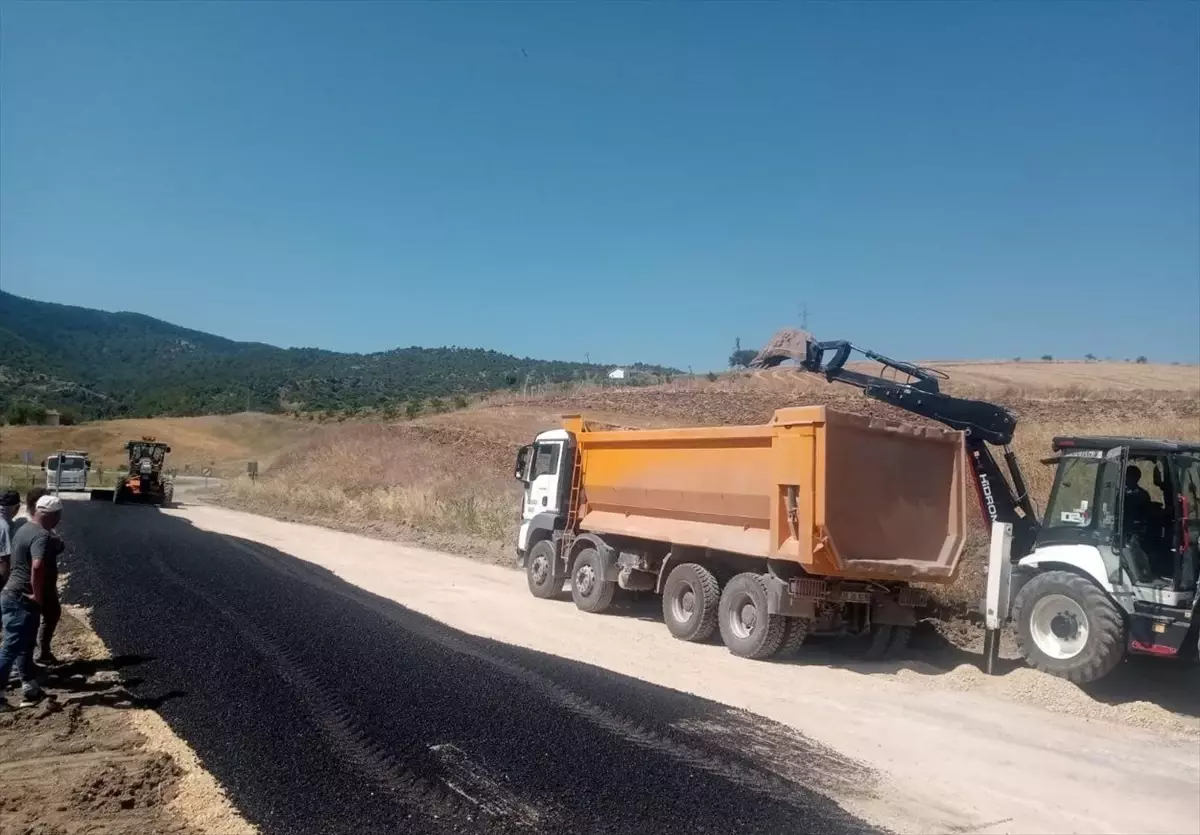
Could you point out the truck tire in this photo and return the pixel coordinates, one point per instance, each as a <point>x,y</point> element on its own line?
<point>690,600</point>
<point>901,638</point>
<point>881,641</point>
<point>1068,627</point>
<point>590,591</point>
<point>539,571</point>
<point>746,627</point>
<point>794,635</point>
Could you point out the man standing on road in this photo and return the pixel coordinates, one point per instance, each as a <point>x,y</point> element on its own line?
<point>10,503</point>
<point>51,607</point>
<point>21,598</point>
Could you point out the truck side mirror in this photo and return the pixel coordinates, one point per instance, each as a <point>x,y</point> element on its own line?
<point>521,470</point>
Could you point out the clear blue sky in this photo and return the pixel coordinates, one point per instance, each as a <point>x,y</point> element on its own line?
<point>634,181</point>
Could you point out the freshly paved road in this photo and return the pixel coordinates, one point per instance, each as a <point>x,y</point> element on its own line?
<point>325,709</point>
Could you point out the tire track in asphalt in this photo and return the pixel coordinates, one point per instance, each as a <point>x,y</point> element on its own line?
<point>753,777</point>
<point>325,709</point>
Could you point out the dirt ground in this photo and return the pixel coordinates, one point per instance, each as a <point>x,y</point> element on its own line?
<point>93,759</point>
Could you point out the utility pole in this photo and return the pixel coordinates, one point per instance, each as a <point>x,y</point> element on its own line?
<point>804,316</point>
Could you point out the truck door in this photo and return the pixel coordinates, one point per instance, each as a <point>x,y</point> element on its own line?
<point>543,493</point>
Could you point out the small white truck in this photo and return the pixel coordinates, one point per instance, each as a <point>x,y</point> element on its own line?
<point>67,470</point>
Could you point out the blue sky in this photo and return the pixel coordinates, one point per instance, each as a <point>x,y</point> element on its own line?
<point>630,181</point>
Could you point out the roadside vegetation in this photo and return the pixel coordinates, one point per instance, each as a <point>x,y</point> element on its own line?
<point>446,479</point>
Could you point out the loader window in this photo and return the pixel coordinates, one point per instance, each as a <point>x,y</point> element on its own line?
<point>1073,498</point>
<point>546,461</point>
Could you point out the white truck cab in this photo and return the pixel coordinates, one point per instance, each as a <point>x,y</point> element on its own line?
<point>75,467</point>
<point>541,466</point>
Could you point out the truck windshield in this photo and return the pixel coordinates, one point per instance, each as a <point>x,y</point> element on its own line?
<point>68,464</point>
<point>1073,499</point>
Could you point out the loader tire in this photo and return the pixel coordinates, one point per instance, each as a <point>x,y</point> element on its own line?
<point>1068,627</point>
<point>690,599</point>
<point>746,627</point>
<point>794,635</point>
<point>590,591</point>
<point>539,571</point>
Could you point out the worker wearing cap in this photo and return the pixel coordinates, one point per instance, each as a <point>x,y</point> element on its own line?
<point>22,597</point>
<point>51,607</point>
<point>10,503</point>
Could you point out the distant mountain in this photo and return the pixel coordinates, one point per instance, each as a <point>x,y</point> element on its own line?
<point>96,364</point>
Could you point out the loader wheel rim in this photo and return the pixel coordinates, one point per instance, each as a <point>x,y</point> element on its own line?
<point>743,616</point>
<point>585,579</point>
<point>683,604</point>
<point>540,570</point>
<point>1059,626</point>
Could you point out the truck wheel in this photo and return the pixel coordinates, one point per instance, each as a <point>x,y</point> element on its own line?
<point>794,635</point>
<point>1068,627</point>
<point>690,599</point>
<point>901,637</point>
<point>881,640</point>
<point>539,571</point>
<point>746,627</point>
<point>590,591</point>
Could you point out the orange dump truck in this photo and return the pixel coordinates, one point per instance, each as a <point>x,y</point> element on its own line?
<point>815,522</point>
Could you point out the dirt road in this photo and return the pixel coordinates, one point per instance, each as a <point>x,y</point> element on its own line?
<point>338,683</point>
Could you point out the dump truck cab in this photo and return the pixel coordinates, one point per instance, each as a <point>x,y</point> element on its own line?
<point>1115,565</point>
<point>544,468</point>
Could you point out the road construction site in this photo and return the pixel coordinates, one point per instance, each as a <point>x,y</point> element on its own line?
<point>336,683</point>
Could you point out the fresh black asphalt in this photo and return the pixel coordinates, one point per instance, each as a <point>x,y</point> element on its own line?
<point>324,709</point>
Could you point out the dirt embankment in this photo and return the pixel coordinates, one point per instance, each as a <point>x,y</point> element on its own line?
<point>93,759</point>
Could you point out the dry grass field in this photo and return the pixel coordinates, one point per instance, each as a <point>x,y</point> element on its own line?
<point>223,442</point>
<point>446,479</point>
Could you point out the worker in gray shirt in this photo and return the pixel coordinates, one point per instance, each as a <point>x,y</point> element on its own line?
<point>10,503</point>
<point>22,596</point>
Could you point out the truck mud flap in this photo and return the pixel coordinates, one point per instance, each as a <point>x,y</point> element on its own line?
<point>780,600</point>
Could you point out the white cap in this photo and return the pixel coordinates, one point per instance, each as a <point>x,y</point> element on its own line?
<point>50,504</point>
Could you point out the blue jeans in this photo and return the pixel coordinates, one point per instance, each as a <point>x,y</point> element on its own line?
<point>19,617</point>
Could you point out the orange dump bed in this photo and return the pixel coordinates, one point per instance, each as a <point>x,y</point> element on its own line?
<point>842,494</point>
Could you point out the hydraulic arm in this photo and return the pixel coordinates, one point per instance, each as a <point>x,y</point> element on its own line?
<point>984,424</point>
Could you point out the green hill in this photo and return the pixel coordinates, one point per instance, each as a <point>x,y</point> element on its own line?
<point>96,364</point>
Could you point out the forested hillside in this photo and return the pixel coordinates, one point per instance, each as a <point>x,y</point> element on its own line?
<point>94,364</point>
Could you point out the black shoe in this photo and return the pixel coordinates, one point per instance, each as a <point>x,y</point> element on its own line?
<point>46,659</point>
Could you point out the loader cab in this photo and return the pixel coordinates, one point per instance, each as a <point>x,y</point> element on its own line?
<point>1137,503</point>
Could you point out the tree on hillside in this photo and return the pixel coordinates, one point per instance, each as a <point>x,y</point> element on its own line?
<point>1141,360</point>
<point>1090,357</point>
<point>741,357</point>
<point>1047,358</point>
